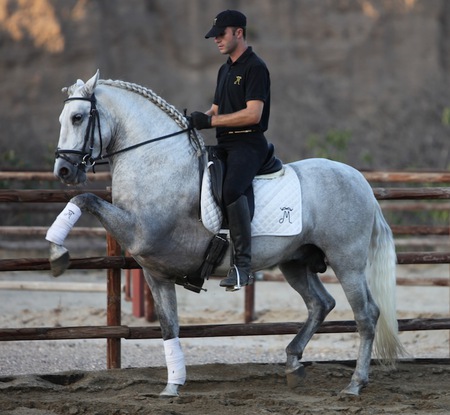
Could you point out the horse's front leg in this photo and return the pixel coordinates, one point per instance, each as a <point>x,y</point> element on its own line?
<point>115,220</point>
<point>164,295</point>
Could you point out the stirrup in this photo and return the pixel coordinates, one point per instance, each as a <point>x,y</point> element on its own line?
<point>238,285</point>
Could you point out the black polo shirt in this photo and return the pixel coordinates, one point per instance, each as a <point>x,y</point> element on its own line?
<point>244,80</point>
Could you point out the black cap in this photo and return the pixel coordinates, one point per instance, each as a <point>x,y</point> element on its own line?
<point>228,18</point>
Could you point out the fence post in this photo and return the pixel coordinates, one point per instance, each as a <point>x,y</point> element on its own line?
<point>137,292</point>
<point>113,312</point>
<point>249,311</point>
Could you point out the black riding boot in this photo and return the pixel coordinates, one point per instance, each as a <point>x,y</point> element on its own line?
<point>239,222</point>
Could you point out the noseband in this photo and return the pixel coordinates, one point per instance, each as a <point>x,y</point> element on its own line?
<point>87,160</point>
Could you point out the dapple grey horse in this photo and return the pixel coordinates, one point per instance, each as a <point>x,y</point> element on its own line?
<point>154,164</point>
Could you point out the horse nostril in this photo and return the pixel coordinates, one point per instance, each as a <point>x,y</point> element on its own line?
<point>63,172</point>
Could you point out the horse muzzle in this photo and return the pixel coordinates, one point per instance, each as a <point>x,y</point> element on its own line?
<point>68,172</point>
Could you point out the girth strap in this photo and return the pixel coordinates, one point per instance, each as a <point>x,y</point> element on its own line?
<point>214,257</point>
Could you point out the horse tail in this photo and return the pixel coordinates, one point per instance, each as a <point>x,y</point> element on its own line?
<point>382,283</point>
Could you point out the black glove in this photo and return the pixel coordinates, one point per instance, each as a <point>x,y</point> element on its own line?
<point>200,120</point>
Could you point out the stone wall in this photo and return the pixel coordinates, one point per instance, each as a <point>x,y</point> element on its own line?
<point>374,73</point>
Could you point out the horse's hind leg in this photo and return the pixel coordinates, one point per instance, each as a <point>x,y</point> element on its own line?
<point>366,315</point>
<point>319,304</point>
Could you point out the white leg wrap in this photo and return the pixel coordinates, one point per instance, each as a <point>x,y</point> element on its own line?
<point>63,224</point>
<point>176,369</point>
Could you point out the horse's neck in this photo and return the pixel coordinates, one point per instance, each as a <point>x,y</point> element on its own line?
<point>134,118</point>
<point>160,169</point>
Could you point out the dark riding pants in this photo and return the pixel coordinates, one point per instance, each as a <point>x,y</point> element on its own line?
<point>244,154</point>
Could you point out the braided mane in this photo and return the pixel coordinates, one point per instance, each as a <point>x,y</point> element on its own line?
<point>161,103</point>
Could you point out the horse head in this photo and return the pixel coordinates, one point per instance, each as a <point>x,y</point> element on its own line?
<point>80,141</point>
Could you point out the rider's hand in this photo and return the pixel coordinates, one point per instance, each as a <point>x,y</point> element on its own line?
<point>200,120</point>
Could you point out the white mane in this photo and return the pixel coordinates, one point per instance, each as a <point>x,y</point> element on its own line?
<point>161,103</point>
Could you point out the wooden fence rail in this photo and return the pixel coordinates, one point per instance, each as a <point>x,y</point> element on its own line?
<point>96,231</point>
<point>209,330</point>
<point>371,176</point>
<point>407,177</point>
<point>125,262</point>
<point>61,196</point>
<point>42,230</point>
<point>24,176</point>
<point>46,196</point>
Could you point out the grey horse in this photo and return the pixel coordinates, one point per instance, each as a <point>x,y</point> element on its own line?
<point>154,164</point>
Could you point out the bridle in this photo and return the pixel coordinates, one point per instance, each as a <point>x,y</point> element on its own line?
<point>86,153</point>
<point>86,158</point>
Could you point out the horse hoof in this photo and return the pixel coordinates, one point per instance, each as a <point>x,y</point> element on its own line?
<point>59,259</point>
<point>353,389</point>
<point>295,377</point>
<point>170,391</point>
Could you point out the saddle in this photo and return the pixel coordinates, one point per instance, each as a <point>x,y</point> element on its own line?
<point>217,170</point>
<point>219,244</point>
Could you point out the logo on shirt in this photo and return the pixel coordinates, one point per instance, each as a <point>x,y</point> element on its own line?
<point>237,81</point>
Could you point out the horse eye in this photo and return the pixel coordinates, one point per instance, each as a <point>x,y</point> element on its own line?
<point>77,118</point>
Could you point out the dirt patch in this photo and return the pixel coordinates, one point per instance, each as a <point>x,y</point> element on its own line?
<point>414,388</point>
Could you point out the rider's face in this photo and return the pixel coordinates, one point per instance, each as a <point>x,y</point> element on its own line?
<point>228,41</point>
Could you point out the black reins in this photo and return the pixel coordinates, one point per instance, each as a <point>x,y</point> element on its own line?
<point>87,158</point>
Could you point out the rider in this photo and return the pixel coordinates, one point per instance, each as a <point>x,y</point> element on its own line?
<point>240,114</point>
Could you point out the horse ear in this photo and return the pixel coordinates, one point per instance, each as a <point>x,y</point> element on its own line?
<point>71,89</point>
<point>88,88</point>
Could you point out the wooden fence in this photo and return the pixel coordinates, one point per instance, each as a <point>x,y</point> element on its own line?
<point>115,261</point>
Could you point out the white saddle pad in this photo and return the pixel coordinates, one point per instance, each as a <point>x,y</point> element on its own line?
<point>278,204</point>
